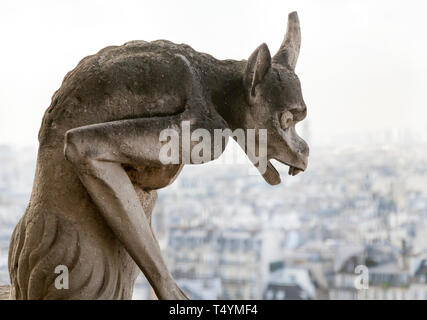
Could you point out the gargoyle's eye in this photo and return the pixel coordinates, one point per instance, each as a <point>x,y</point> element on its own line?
<point>286,119</point>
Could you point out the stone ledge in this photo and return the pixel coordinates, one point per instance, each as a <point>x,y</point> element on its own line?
<point>4,292</point>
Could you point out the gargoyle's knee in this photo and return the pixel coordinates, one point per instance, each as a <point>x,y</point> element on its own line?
<point>75,148</point>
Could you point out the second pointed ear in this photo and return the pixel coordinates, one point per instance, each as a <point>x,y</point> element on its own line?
<point>257,67</point>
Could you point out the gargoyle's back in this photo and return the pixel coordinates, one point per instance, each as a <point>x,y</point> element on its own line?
<point>137,79</point>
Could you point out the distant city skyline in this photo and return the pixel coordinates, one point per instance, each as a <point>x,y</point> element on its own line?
<point>239,237</point>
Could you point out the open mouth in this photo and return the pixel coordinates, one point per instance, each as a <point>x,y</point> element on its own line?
<point>293,171</point>
<point>272,176</point>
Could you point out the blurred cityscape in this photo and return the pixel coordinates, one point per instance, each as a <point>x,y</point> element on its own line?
<point>226,234</point>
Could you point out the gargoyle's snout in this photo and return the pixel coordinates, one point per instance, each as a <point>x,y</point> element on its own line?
<point>299,150</point>
<point>290,148</point>
<point>302,151</point>
<point>302,156</point>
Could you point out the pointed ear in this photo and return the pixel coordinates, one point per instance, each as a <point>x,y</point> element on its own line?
<point>256,68</point>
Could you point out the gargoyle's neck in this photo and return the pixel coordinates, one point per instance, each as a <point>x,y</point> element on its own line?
<point>228,92</point>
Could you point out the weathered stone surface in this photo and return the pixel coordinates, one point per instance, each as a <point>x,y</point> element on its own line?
<point>4,292</point>
<point>98,163</point>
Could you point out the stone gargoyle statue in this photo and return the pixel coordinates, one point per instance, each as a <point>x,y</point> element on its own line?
<point>98,165</point>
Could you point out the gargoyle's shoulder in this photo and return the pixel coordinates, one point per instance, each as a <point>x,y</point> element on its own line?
<point>134,58</point>
<point>168,48</point>
<point>158,49</point>
<point>154,47</point>
<point>165,48</point>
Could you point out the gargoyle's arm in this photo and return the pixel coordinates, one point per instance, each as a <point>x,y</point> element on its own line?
<point>97,153</point>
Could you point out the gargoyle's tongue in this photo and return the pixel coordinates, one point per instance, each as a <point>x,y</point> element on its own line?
<point>271,175</point>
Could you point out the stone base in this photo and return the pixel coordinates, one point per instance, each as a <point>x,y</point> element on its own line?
<point>4,292</point>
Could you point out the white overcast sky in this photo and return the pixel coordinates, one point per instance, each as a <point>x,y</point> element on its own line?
<point>363,64</point>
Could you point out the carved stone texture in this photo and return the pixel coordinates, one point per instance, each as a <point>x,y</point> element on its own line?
<point>98,162</point>
<point>4,292</point>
